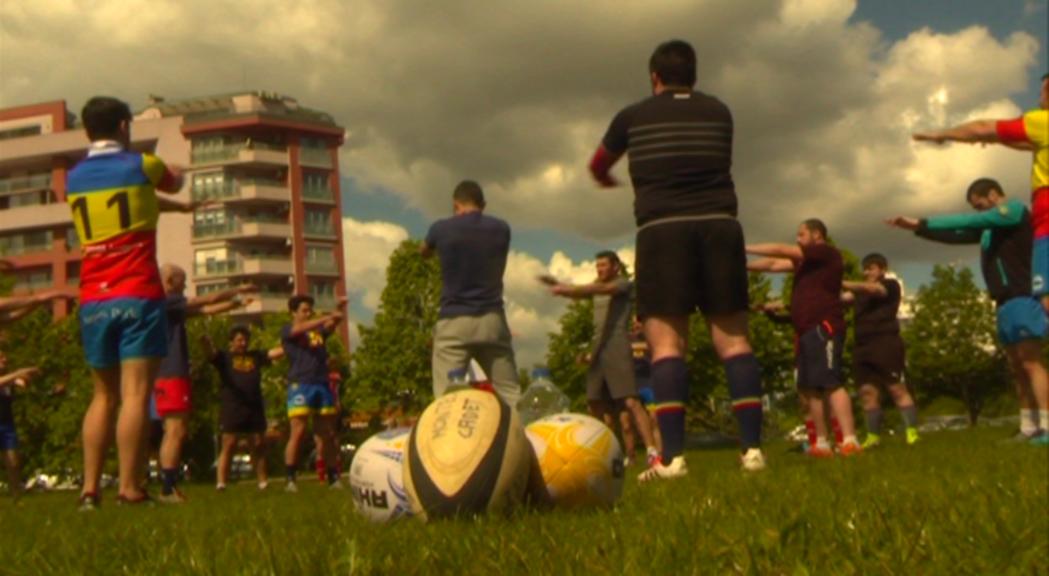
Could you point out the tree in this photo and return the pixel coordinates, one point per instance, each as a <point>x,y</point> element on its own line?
<point>394,356</point>
<point>566,347</point>
<point>951,341</point>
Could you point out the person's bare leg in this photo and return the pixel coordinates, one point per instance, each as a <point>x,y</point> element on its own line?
<point>814,400</point>
<point>629,442</point>
<point>258,458</point>
<point>97,430</point>
<point>136,381</point>
<point>1024,391</point>
<point>642,421</point>
<point>841,407</point>
<point>1030,353</point>
<point>297,429</point>
<point>229,443</point>
<point>729,334</point>
<point>14,475</point>
<point>324,433</point>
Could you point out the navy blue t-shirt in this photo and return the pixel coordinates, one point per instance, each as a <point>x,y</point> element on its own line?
<point>307,356</point>
<point>472,248</point>
<point>176,363</point>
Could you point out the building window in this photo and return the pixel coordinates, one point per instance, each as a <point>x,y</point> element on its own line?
<point>33,279</point>
<point>73,273</point>
<point>210,185</point>
<point>320,258</point>
<point>29,190</point>
<point>315,186</point>
<point>318,222</point>
<point>34,130</point>
<point>25,243</point>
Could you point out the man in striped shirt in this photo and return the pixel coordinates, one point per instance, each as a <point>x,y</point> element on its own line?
<point>690,248</point>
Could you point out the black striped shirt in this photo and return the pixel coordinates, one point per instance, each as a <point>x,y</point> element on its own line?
<point>679,146</point>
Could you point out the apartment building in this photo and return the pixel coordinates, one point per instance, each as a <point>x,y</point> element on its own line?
<point>266,166</point>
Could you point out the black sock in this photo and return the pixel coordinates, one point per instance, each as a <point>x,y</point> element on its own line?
<point>744,385</point>
<point>670,385</point>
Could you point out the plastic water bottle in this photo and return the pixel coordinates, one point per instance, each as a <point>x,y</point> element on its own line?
<point>541,398</point>
<point>458,379</point>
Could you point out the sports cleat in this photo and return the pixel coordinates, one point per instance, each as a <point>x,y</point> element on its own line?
<point>1040,439</point>
<point>336,485</point>
<point>817,452</point>
<point>176,497</point>
<point>752,460</point>
<point>850,449</point>
<point>89,501</point>
<point>264,484</point>
<point>871,441</point>
<point>142,499</point>
<point>659,471</point>
<point>291,487</point>
<point>912,436</point>
<point>220,487</point>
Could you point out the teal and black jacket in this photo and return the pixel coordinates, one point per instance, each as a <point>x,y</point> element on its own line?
<point>1005,236</point>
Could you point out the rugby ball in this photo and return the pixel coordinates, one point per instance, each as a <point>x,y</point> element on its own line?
<point>376,477</point>
<point>580,460</point>
<point>466,455</point>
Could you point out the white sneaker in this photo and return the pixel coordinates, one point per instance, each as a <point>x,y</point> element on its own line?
<point>291,487</point>
<point>659,471</point>
<point>263,485</point>
<point>336,485</point>
<point>220,487</point>
<point>752,460</point>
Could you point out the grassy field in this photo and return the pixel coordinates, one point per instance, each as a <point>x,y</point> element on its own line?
<point>958,503</point>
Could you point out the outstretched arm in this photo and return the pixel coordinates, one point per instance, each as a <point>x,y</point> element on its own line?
<point>327,321</point>
<point>577,291</point>
<point>774,265</point>
<point>275,353</point>
<point>970,132</point>
<point>875,288</point>
<point>601,165</point>
<point>773,250</point>
<point>948,236</point>
<point>14,307</point>
<point>18,377</point>
<point>208,304</point>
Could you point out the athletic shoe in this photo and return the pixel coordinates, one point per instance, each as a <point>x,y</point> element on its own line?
<point>336,485</point>
<point>817,452</point>
<point>1040,439</point>
<point>752,460</point>
<point>653,457</point>
<point>264,484</point>
<point>89,501</point>
<point>176,497</point>
<point>220,487</point>
<point>871,441</point>
<point>627,462</point>
<point>850,449</point>
<point>291,487</point>
<point>1019,438</point>
<point>142,499</point>
<point>675,469</point>
<point>912,436</point>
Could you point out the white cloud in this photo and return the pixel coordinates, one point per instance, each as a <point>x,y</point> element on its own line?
<point>368,246</point>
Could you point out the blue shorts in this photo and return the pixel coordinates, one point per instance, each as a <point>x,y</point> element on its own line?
<point>306,399</point>
<point>123,329</point>
<point>1040,267</point>
<point>1021,319</point>
<point>8,437</point>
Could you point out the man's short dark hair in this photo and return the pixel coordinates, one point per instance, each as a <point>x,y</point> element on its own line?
<point>816,225</point>
<point>675,63</point>
<point>1045,77</point>
<point>469,192</point>
<point>242,330</point>
<point>982,188</point>
<point>875,259</point>
<point>102,116</point>
<point>607,255</point>
<point>295,301</point>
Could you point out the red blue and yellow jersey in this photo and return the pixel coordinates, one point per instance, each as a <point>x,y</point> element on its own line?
<point>1032,127</point>
<point>113,197</point>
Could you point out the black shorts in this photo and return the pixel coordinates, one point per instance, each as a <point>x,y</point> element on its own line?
<point>691,265</point>
<point>242,419</point>
<point>156,434</point>
<point>819,359</point>
<point>879,360</point>
<point>611,377</point>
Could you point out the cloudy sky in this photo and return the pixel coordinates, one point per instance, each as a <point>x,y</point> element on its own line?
<point>517,95</point>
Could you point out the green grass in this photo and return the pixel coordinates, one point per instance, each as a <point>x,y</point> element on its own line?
<point>959,503</point>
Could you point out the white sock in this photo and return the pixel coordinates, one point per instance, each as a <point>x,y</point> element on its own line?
<point>1028,421</point>
<point>850,439</point>
<point>822,444</point>
<point>1043,420</point>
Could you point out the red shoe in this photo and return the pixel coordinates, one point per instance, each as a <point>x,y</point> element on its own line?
<point>817,452</point>
<point>850,449</point>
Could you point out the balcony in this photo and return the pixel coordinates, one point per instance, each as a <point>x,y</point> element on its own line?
<point>244,189</point>
<point>242,228</point>
<point>322,268</point>
<point>242,153</point>
<point>246,266</point>
<point>17,184</point>
<point>39,216</point>
<point>325,231</point>
<point>315,157</point>
<point>318,195</point>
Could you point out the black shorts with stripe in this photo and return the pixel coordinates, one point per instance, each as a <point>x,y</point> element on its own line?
<point>690,264</point>
<point>819,359</point>
<point>879,360</point>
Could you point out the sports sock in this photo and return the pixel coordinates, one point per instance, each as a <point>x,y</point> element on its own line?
<point>1043,420</point>
<point>333,475</point>
<point>670,384</point>
<point>1028,422</point>
<point>874,421</point>
<point>850,439</point>
<point>910,416</point>
<point>822,444</point>
<point>292,472</point>
<point>744,384</point>
<point>836,427</point>
<point>810,429</point>
<point>169,477</point>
